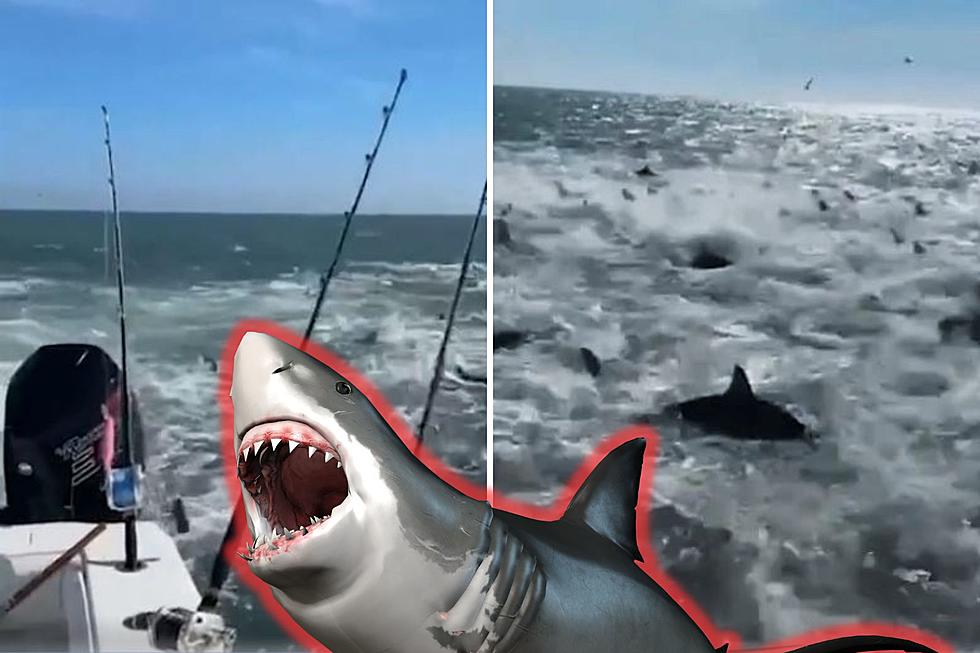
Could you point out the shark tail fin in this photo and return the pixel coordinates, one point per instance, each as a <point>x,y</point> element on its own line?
<point>606,501</point>
<point>864,644</point>
<point>740,388</point>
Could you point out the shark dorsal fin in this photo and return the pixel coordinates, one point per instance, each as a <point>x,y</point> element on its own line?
<point>739,388</point>
<point>606,502</point>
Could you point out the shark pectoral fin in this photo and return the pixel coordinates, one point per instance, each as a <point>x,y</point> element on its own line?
<point>740,389</point>
<point>606,502</point>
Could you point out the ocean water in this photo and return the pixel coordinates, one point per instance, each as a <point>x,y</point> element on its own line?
<point>190,278</point>
<point>851,233</point>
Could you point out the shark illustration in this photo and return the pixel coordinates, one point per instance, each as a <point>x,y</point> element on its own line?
<point>368,549</point>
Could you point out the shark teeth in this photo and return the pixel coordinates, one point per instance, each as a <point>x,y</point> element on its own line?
<point>268,544</point>
<point>257,475</point>
<point>293,440</point>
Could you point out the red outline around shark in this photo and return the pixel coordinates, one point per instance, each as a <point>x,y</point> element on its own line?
<point>553,512</point>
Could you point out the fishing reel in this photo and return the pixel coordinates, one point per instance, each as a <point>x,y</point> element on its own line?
<point>180,629</point>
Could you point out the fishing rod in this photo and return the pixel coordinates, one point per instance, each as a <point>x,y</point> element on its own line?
<point>325,278</point>
<point>220,568</point>
<point>441,357</point>
<point>36,581</point>
<point>105,244</point>
<point>132,562</point>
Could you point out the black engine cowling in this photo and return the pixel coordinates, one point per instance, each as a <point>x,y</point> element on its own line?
<point>62,430</point>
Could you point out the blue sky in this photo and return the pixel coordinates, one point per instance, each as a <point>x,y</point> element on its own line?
<point>242,105</point>
<point>747,49</point>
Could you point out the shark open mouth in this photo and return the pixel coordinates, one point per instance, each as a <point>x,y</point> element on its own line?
<point>294,477</point>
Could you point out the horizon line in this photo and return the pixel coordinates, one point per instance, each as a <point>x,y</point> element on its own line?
<point>254,213</point>
<point>885,107</point>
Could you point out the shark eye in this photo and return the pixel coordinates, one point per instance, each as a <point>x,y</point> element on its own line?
<point>343,388</point>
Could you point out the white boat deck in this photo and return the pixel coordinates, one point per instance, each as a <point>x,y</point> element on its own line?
<point>82,607</point>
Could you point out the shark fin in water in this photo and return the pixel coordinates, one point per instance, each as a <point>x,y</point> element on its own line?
<point>740,389</point>
<point>606,501</point>
<point>864,644</point>
<point>854,644</point>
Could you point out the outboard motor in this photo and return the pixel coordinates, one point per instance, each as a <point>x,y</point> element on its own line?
<point>62,433</point>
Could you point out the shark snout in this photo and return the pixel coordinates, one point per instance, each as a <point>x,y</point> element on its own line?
<point>286,448</point>
<point>257,388</point>
<point>272,380</point>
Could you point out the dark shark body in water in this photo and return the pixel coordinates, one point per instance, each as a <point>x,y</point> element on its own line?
<point>739,413</point>
<point>402,561</point>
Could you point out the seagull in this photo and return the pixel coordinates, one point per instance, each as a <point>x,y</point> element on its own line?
<point>908,59</point>
<point>806,87</point>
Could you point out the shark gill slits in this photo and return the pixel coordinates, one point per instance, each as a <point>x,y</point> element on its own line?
<point>343,388</point>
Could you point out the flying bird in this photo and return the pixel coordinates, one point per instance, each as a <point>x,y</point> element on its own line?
<point>809,82</point>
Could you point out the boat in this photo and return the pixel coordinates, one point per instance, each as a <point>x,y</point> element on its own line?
<point>67,524</point>
<point>78,567</point>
